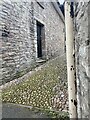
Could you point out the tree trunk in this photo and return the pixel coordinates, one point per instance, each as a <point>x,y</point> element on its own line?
<point>70,60</point>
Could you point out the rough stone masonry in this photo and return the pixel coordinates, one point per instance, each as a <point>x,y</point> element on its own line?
<point>82,42</point>
<point>18,35</point>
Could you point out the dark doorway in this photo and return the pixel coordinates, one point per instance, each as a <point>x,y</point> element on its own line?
<point>39,39</point>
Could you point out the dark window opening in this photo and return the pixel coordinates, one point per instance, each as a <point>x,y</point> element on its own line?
<point>39,39</point>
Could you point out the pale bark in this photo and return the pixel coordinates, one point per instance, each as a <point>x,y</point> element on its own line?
<point>70,61</point>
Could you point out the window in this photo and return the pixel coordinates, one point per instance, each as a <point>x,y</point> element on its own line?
<point>40,40</point>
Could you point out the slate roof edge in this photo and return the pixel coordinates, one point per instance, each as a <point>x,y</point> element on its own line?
<point>57,8</point>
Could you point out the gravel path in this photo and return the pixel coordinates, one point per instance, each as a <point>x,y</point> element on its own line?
<point>46,88</point>
<point>26,76</point>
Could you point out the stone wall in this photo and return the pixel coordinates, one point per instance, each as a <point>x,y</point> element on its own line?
<point>54,26</point>
<point>82,41</point>
<point>18,35</point>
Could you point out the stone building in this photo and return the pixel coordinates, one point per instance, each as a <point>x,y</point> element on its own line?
<point>82,51</point>
<point>30,32</point>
